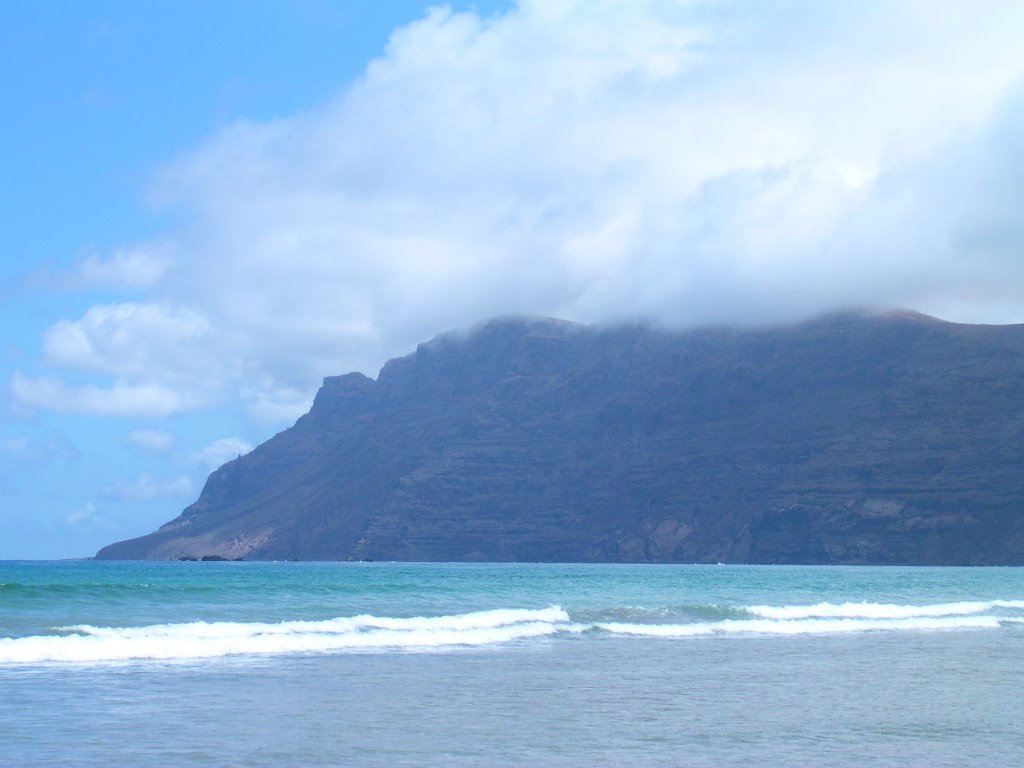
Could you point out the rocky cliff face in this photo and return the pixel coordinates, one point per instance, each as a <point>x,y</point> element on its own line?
<point>894,438</point>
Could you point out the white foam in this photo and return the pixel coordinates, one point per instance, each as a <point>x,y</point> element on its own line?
<point>201,640</point>
<point>800,626</point>
<point>460,622</point>
<point>880,610</point>
<point>198,640</point>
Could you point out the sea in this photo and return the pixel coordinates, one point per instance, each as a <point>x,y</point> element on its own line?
<point>399,664</point>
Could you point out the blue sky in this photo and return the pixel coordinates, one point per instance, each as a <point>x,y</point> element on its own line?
<point>207,207</point>
<point>99,96</point>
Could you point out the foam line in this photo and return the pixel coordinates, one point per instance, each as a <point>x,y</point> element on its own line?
<point>799,627</point>
<point>198,640</point>
<point>467,621</point>
<point>880,610</point>
<point>203,640</point>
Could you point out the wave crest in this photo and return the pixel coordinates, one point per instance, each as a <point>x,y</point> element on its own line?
<point>867,610</point>
<point>203,640</point>
<point>198,640</point>
<point>799,627</point>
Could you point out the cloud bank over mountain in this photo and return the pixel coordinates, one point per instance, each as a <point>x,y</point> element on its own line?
<point>684,163</point>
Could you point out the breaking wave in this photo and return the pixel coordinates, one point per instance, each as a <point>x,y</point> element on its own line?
<point>199,640</point>
<point>834,618</point>
<point>204,640</point>
<point>880,610</point>
<point>799,627</point>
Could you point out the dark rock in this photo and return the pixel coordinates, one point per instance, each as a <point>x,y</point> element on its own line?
<point>893,438</point>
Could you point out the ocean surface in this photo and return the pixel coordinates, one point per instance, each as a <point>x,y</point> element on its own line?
<point>392,664</point>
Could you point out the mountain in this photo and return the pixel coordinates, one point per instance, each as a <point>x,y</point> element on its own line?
<point>854,438</point>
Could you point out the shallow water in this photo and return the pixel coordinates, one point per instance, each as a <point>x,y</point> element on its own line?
<point>566,665</point>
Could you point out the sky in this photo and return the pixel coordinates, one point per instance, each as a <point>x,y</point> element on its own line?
<point>208,207</point>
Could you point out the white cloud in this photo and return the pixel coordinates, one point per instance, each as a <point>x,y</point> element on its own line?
<point>271,403</point>
<point>219,452</point>
<point>125,268</point>
<point>120,399</point>
<point>151,439</point>
<point>146,488</point>
<point>40,447</point>
<point>84,514</point>
<point>130,339</point>
<point>16,446</point>
<point>598,160</point>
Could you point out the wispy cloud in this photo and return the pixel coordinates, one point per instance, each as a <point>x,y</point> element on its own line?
<point>145,487</point>
<point>219,452</point>
<point>151,439</point>
<point>127,268</point>
<point>83,514</point>
<point>40,447</point>
<point>120,399</point>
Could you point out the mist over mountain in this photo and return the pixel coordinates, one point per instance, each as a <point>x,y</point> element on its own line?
<point>853,438</point>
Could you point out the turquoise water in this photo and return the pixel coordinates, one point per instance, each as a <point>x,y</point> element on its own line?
<point>566,665</point>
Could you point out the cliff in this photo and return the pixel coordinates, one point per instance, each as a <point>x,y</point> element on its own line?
<point>855,438</point>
